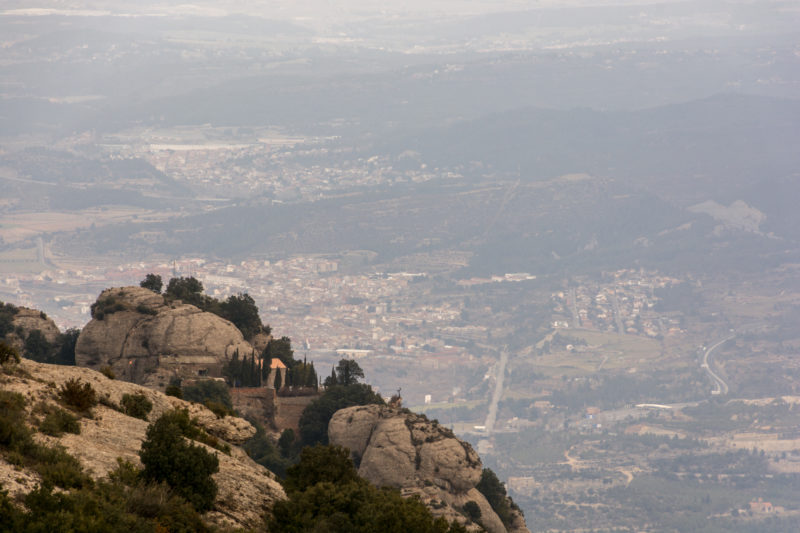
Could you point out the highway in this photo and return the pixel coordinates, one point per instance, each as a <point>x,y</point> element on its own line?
<point>617,314</point>
<point>573,307</point>
<point>720,387</point>
<point>491,417</point>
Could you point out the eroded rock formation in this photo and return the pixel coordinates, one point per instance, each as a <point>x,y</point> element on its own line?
<point>397,448</point>
<point>147,341</point>
<point>27,320</point>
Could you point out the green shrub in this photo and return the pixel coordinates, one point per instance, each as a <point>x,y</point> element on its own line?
<point>8,354</point>
<point>105,506</point>
<point>174,390</point>
<point>185,467</point>
<point>261,449</point>
<point>218,408</point>
<point>495,493</point>
<point>152,282</point>
<point>66,351</point>
<point>79,396</point>
<point>53,464</point>
<point>472,510</point>
<point>108,372</point>
<point>168,510</point>
<point>145,310</point>
<point>58,421</point>
<point>11,516</point>
<point>37,347</point>
<point>216,391</point>
<point>106,306</point>
<point>59,468</point>
<point>320,464</point>
<point>7,313</point>
<point>14,434</point>
<point>136,405</point>
<point>125,473</point>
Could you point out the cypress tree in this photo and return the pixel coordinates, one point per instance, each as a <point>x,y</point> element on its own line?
<point>313,379</point>
<point>251,372</point>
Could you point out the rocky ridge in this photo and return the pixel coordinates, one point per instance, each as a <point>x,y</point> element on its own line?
<point>246,489</point>
<point>397,448</point>
<point>148,341</point>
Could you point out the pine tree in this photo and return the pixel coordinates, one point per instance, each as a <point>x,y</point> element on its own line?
<point>277,383</point>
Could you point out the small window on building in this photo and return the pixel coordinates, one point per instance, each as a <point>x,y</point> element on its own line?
<point>202,372</point>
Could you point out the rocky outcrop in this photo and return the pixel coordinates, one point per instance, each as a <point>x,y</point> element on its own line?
<point>147,341</point>
<point>397,448</point>
<point>26,320</point>
<point>246,489</point>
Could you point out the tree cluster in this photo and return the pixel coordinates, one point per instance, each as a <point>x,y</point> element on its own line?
<point>346,373</point>
<point>280,349</point>
<point>345,392</point>
<point>187,468</point>
<point>7,313</point>
<point>35,345</point>
<point>244,371</point>
<point>240,308</point>
<point>254,371</point>
<point>215,395</point>
<point>495,494</point>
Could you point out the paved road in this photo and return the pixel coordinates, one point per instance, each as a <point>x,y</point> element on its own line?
<point>617,315</point>
<point>573,306</point>
<point>720,387</point>
<point>491,417</point>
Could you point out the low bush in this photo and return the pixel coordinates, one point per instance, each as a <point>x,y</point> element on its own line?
<point>58,468</point>
<point>472,510</point>
<point>174,390</point>
<point>78,396</point>
<point>58,421</point>
<point>107,306</point>
<point>8,354</point>
<point>136,405</point>
<point>218,408</point>
<point>125,473</point>
<point>14,434</point>
<point>108,372</point>
<point>105,506</point>
<point>215,391</point>
<point>55,466</point>
<point>145,310</point>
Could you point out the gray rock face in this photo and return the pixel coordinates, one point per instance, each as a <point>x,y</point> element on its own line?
<point>397,448</point>
<point>148,342</point>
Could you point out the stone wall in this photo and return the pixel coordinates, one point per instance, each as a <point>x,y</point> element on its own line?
<point>269,409</point>
<point>288,410</point>
<point>255,402</point>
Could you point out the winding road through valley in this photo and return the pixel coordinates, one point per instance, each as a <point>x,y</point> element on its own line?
<point>720,387</point>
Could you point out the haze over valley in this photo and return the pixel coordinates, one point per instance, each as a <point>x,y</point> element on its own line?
<point>564,229</point>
